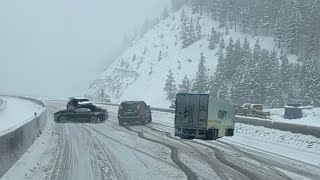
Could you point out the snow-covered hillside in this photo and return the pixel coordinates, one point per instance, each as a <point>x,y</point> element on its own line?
<point>139,74</point>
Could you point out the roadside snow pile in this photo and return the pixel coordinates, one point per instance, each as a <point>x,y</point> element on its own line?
<point>283,137</point>
<point>311,117</point>
<point>17,112</point>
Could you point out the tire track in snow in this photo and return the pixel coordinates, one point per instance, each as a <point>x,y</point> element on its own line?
<point>174,155</point>
<point>271,164</point>
<point>218,155</point>
<point>62,165</point>
<point>101,168</point>
<point>204,157</point>
<point>133,148</point>
<point>260,160</point>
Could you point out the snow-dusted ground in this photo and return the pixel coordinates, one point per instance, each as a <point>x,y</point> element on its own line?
<point>16,113</point>
<point>292,145</point>
<point>310,117</point>
<point>144,76</point>
<point>108,151</point>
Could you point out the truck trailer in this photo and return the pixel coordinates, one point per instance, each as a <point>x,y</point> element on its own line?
<point>202,116</point>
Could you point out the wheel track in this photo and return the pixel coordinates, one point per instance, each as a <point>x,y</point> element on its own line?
<point>280,165</point>
<point>260,160</point>
<point>174,155</point>
<point>203,156</point>
<point>105,171</point>
<point>133,148</point>
<point>218,155</point>
<point>62,165</point>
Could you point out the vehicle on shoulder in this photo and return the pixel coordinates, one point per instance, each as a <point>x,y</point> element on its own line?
<point>85,112</point>
<point>134,111</point>
<point>108,99</point>
<point>74,102</point>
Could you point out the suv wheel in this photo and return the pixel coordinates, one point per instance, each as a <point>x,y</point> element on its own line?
<point>63,119</point>
<point>94,119</point>
<point>121,123</point>
<point>144,121</point>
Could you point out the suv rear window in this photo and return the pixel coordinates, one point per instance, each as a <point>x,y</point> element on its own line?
<point>129,107</point>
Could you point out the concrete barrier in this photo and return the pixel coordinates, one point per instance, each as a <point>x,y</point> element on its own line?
<point>14,143</point>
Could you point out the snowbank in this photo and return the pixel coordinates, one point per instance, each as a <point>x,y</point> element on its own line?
<point>311,117</point>
<point>17,113</point>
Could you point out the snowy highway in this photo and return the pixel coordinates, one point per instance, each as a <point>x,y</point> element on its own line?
<point>81,151</point>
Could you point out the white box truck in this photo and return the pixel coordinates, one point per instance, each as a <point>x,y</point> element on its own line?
<point>203,116</point>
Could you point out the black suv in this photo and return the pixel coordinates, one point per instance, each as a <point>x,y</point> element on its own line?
<point>133,111</point>
<point>82,113</point>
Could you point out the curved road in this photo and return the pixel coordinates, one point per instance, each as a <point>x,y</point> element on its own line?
<point>81,151</point>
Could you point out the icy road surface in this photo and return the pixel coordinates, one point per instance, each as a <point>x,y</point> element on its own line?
<point>107,151</point>
<point>16,113</point>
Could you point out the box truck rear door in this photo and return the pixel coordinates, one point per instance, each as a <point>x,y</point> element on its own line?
<point>183,110</point>
<point>203,111</point>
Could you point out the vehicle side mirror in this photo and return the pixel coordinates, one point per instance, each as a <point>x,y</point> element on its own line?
<point>148,106</point>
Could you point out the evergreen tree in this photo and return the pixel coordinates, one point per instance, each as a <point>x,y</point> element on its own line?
<point>285,75</point>
<point>223,93</point>
<point>310,79</point>
<point>185,86</point>
<point>201,79</point>
<point>212,37</point>
<point>222,44</point>
<point>134,57</point>
<point>229,59</point>
<point>122,64</point>
<point>170,88</point>
<point>165,13</point>
<point>293,28</point>
<point>273,89</point>
<point>198,30</point>
<point>219,75</point>
<point>237,55</point>
<point>184,31</point>
<point>244,20</point>
<point>222,13</point>
<point>191,34</point>
<point>160,56</point>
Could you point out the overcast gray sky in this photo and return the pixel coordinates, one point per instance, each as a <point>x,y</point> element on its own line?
<point>55,48</point>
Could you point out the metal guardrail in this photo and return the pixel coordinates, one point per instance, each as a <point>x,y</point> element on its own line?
<point>15,142</point>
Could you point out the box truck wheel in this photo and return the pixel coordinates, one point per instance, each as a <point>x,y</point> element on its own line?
<point>229,132</point>
<point>209,134</point>
<point>216,134</point>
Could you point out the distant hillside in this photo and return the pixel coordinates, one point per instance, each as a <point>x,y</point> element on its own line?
<point>141,72</point>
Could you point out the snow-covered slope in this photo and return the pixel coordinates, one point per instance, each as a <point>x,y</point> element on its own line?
<point>139,74</point>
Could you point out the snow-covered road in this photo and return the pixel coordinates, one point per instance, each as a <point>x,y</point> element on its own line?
<point>81,151</point>
<point>17,112</point>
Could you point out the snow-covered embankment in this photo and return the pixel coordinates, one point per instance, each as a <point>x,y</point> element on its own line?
<point>21,122</point>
